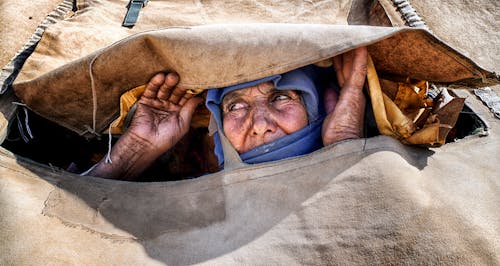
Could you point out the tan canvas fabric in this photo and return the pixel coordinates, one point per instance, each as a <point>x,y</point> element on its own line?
<point>19,19</point>
<point>476,33</point>
<point>361,202</point>
<point>97,23</point>
<point>92,85</point>
<point>68,74</point>
<point>470,27</point>
<point>23,24</point>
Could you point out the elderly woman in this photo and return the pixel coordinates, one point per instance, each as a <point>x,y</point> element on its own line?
<point>268,119</point>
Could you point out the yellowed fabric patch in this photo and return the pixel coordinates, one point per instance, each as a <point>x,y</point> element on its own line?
<point>127,100</point>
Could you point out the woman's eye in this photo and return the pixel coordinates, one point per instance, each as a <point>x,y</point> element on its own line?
<point>236,106</point>
<point>281,97</point>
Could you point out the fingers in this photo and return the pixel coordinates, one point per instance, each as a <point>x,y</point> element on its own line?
<point>185,98</point>
<point>170,82</point>
<point>153,86</point>
<point>172,93</point>
<point>347,60</point>
<point>350,68</point>
<point>162,90</point>
<point>177,94</point>
<point>358,67</point>
<point>342,64</point>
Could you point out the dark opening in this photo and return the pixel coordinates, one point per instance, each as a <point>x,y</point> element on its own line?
<point>59,147</point>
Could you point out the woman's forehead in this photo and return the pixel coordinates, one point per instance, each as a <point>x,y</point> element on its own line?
<point>264,88</point>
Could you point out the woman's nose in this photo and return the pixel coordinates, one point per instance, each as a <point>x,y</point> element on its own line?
<point>262,122</point>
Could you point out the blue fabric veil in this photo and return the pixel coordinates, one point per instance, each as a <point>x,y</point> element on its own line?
<point>306,80</point>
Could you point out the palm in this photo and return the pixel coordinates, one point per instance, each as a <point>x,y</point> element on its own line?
<point>164,112</point>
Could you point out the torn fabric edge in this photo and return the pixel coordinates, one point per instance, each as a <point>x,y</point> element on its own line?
<point>11,69</point>
<point>490,98</point>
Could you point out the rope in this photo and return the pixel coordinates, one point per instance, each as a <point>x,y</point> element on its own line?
<point>21,130</point>
<point>94,110</point>
<point>89,170</point>
<point>94,94</point>
<point>26,123</point>
<point>108,155</point>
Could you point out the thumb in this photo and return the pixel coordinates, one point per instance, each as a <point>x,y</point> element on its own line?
<point>330,100</point>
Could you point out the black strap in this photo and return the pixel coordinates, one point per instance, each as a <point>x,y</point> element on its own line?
<point>134,7</point>
<point>129,116</point>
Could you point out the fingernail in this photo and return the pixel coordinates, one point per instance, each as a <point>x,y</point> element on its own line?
<point>173,76</point>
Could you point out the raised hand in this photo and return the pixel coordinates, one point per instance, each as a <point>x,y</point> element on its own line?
<point>345,115</point>
<point>163,113</point>
<point>162,118</point>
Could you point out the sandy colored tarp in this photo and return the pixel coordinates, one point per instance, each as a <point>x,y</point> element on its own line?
<point>219,55</point>
<point>465,27</point>
<point>466,32</point>
<point>19,19</point>
<point>79,79</point>
<point>87,26</point>
<point>360,202</point>
<point>23,23</point>
<point>97,24</point>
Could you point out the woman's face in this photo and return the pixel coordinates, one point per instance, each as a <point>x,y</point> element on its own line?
<point>259,114</point>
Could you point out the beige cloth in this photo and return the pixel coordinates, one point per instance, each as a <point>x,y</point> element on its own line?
<point>92,85</point>
<point>476,21</point>
<point>79,79</point>
<point>360,202</point>
<point>19,19</point>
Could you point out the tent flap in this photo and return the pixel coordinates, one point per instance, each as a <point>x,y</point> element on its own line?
<point>214,56</point>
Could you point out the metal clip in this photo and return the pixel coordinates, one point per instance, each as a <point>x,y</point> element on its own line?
<point>134,7</point>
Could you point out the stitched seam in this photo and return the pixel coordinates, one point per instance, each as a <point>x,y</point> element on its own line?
<point>12,68</point>
<point>409,14</point>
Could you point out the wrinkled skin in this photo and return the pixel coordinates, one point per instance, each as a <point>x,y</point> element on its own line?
<point>260,114</point>
<point>165,110</point>
<point>345,114</point>
<point>162,118</point>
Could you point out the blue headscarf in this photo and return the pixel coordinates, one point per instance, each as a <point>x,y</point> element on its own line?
<point>306,80</point>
